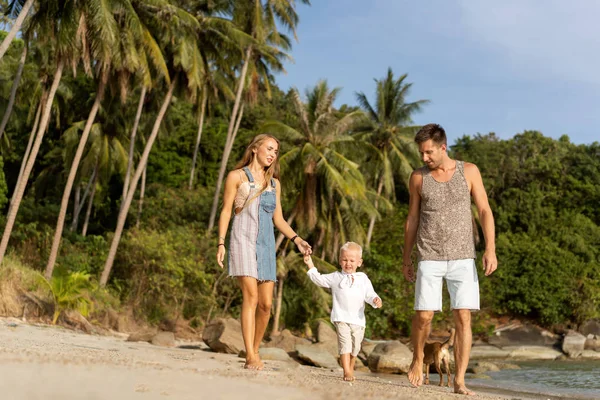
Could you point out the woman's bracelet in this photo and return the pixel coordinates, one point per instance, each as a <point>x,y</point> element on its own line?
<point>221,244</point>
<point>294,238</point>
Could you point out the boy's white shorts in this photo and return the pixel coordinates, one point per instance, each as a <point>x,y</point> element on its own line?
<point>350,337</point>
<point>461,279</point>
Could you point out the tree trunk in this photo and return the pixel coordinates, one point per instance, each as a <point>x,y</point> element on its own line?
<point>236,105</point>
<point>136,123</point>
<point>18,195</point>
<point>36,124</point>
<point>76,203</point>
<point>136,177</point>
<point>62,214</point>
<point>235,131</point>
<point>372,222</point>
<point>198,137</point>
<point>13,91</point>
<point>79,204</point>
<point>141,202</point>
<point>15,28</point>
<point>88,211</point>
<point>278,301</point>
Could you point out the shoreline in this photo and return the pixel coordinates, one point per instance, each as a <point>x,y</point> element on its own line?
<point>49,362</point>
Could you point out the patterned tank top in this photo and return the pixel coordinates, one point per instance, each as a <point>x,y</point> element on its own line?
<point>445,225</point>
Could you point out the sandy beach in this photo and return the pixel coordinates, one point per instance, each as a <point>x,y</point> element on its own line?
<point>48,362</point>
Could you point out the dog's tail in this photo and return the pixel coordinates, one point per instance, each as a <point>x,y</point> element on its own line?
<point>450,342</point>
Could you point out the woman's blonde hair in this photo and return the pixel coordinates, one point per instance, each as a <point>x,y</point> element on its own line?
<point>273,170</point>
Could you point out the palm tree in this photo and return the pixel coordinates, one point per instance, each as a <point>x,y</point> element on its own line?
<point>329,188</point>
<point>178,39</point>
<point>104,31</point>
<point>20,8</point>
<point>259,19</point>
<point>54,25</point>
<point>13,90</point>
<point>114,47</point>
<point>390,140</point>
<point>218,85</point>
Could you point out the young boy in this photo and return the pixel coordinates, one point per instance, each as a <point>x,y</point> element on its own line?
<point>350,291</point>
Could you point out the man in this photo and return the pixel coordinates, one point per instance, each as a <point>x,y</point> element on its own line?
<point>440,222</point>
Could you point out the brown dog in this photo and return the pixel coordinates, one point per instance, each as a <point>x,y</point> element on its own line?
<point>436,353</point>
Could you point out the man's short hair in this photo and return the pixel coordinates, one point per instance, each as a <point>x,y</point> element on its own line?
<point>351,246</point>
<point>433,132</point>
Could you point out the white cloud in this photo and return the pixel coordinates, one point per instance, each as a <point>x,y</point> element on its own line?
<point>548,39</point>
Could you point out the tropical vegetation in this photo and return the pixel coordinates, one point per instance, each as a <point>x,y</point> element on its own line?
<point>120,119</point>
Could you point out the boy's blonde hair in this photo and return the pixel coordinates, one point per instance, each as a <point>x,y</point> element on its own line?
<point>351,246</point>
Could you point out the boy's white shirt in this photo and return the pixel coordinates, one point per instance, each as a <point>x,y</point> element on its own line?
<point>348,302</point>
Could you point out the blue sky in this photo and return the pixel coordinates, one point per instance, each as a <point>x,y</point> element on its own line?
<point>486,65</point>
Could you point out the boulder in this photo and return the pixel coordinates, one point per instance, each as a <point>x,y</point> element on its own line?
<point>590,355</point>
<point>164,339</point>
<point>532,352</point>
<point>487,352</point>
<point>325,332</point>
<point>142,336</point>
<point>507,366</point>
<point>573,344</point>
<point>78,321</point>
<point>328,337</point>
<point>390,357</point>
<point>590,327</point>
<point>286,341</point>
<point>273,354</point>
<point>592,344</point>
<point>366,348</point>
<point>317,355</point>
<point>476,376</point>
<point>523,335</point>
<point>224,335</point>
<point>482,367</point>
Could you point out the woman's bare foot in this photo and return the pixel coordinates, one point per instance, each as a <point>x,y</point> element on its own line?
<point>253,364</point>
<point>462,389</point>
<point>415,373</point>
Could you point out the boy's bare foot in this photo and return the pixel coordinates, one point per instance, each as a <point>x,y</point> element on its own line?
<point>415,373</point>
<point>462,389</point>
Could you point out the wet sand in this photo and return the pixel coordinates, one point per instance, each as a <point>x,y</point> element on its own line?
<point>53,363</point>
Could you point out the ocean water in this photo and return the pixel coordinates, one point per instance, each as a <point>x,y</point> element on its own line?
<point>568,379</point>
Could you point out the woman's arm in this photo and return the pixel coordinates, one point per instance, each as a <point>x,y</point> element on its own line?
<point>232,182</point>
<point>284,227</point>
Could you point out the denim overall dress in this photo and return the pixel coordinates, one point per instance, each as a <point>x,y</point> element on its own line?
<point>252,239</point>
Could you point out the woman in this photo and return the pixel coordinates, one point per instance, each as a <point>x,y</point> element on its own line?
<point>254,190</point>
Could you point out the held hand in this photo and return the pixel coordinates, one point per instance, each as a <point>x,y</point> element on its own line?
<point>308,261</point>
<point>220,255</point>
<point>378,303</point>
<point>409,272</point>
<point>490,262</point>
<point>304,247</point>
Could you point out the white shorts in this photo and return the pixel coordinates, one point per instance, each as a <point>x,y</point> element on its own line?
<point>461,279</point>
<point>350,337</point>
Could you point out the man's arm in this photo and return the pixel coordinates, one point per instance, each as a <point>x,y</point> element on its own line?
<point>412,224</point>
<point>486,218</point>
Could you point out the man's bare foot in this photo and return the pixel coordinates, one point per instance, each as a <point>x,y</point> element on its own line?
<point>415,373</point>
<point>462,389</point>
